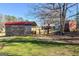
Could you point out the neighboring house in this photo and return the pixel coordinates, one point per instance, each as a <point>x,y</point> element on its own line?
<point>71,25</point>
<point>18,28</point>
<point>37,29</point>
<point>47,28</point>
<point>34,26</point>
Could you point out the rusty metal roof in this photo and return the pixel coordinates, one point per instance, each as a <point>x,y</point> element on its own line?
<point>18,23</point>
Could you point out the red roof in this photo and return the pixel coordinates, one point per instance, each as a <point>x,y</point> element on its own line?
<point>18,23</point>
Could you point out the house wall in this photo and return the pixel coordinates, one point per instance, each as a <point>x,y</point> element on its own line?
<point>18,29</point>
<point>27,30</point>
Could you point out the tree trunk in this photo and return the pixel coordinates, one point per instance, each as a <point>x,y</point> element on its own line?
<point>47,31</point>
<point>62,17</point>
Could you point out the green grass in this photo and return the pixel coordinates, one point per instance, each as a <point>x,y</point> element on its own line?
<point>26,46</point>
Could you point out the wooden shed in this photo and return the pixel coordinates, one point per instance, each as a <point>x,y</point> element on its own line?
<point>18,28</point>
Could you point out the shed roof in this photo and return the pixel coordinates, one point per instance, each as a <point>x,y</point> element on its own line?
<point>34,23</point>
<point>18,23</point>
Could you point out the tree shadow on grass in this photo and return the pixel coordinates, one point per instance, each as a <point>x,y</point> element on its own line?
<point>33,41</point>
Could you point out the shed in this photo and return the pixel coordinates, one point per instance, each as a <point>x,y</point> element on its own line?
<point>18,28</point>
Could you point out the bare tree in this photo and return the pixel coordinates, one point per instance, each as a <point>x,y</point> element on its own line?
<point>9,18</point>
<point>50,11</point>
<point>20,19</point>
<point>63,11</point>
<point>47,13</point>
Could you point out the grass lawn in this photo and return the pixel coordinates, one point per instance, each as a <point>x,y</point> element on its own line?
<point>26,46</point>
